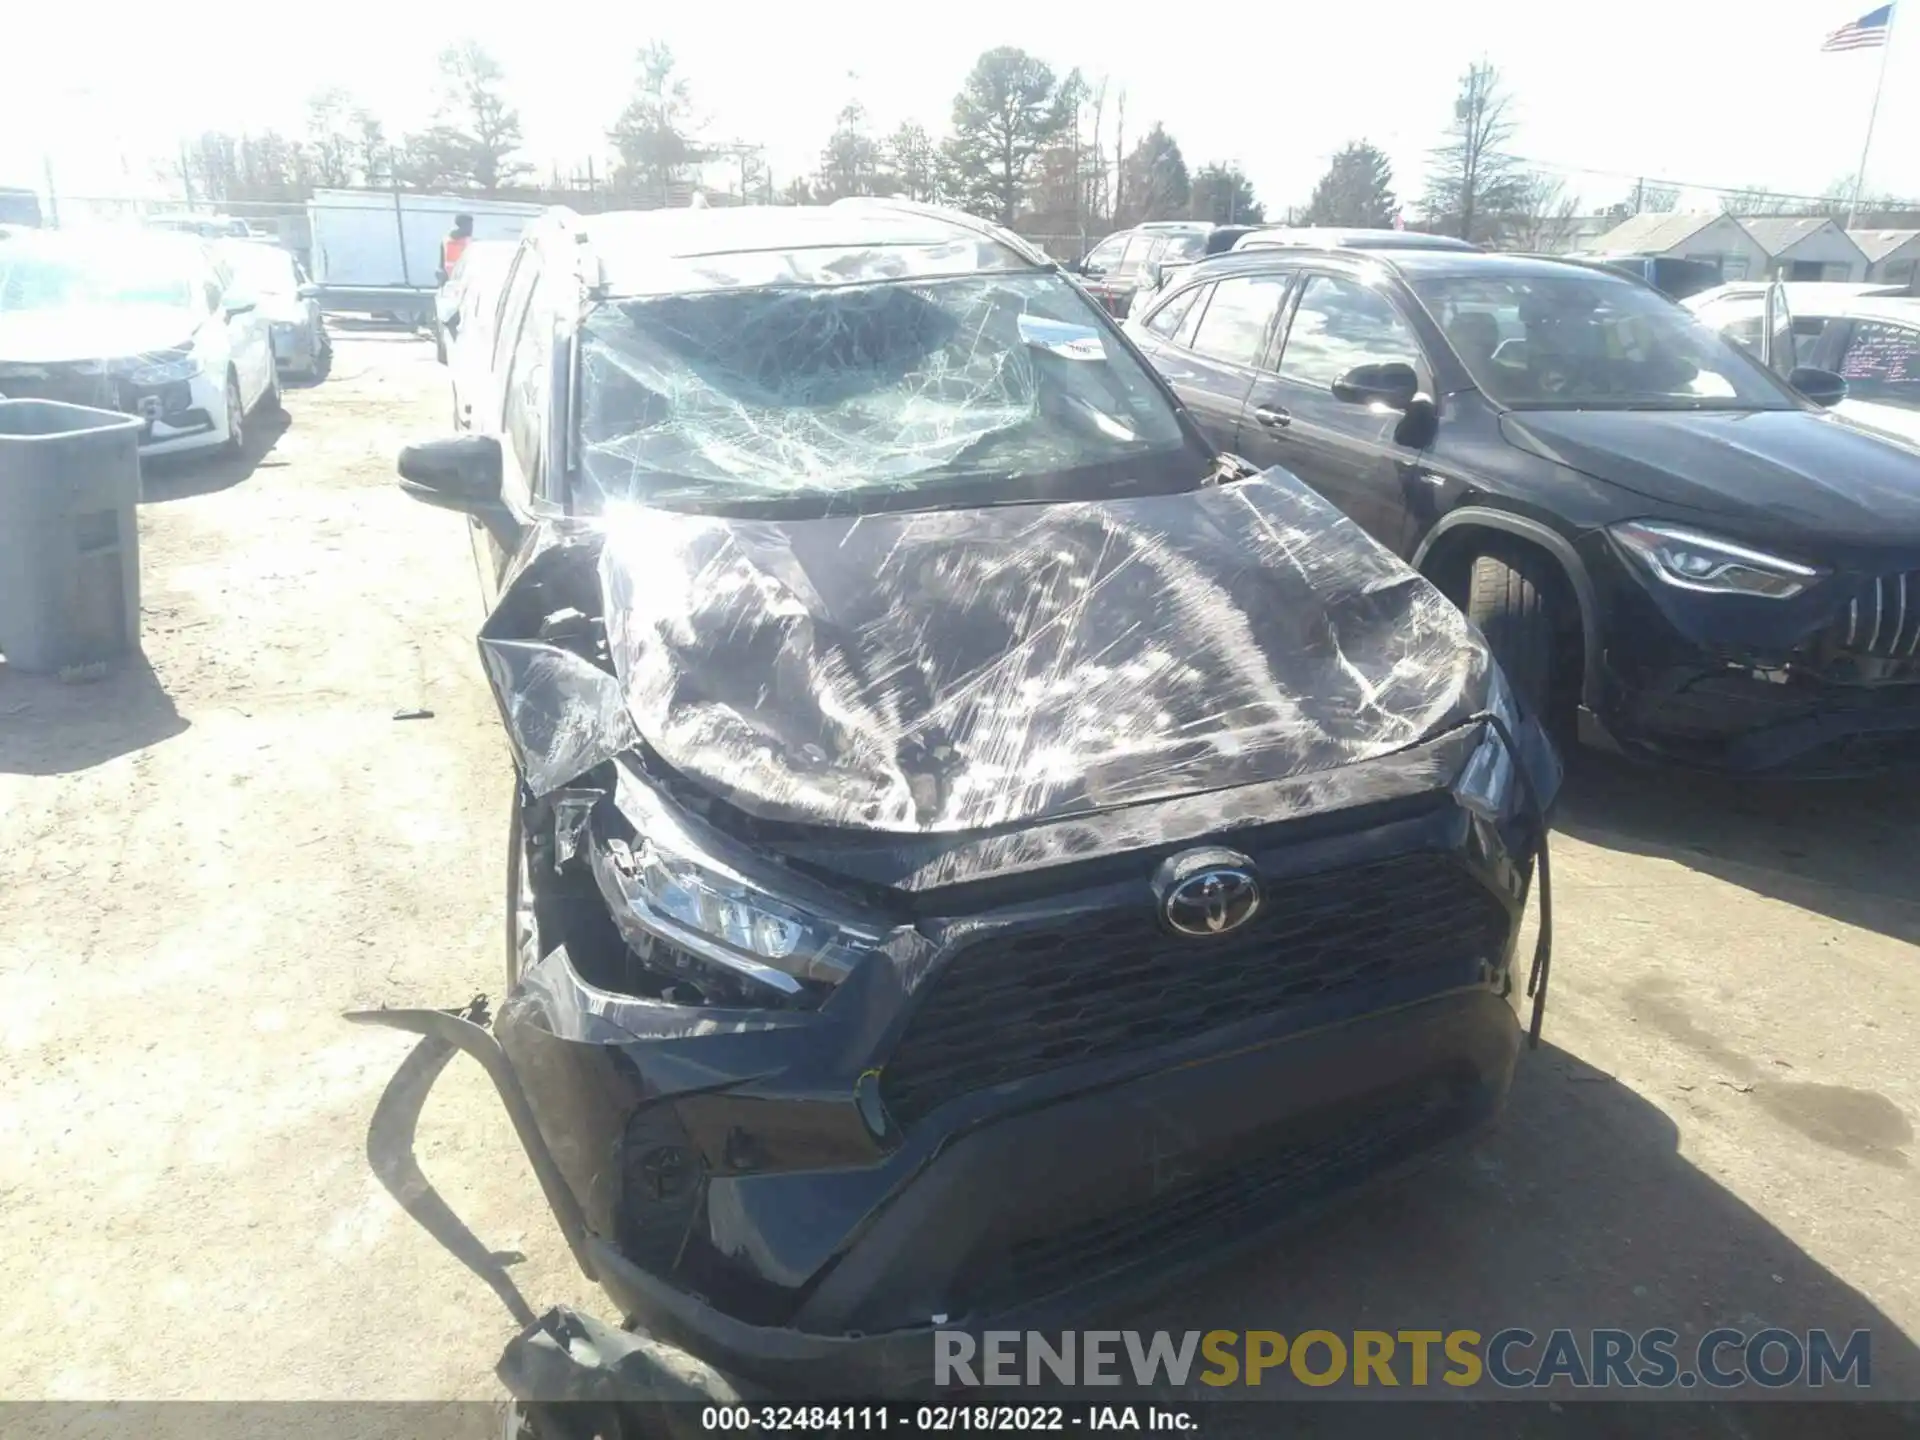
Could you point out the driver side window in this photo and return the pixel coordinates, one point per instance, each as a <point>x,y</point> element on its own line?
<point>1104,256</point>
<point>1340,323</point>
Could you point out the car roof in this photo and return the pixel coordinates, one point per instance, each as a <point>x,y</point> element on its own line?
<point>1411,264</point>
<point>1828,298</point>
<point>654,251</point>
<point>190,249</point>
<point>1270,237</point>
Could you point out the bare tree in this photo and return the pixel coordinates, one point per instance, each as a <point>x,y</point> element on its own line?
<point>850,165</point>
<point>654,135</point>
<point>1544,216</point>
<point>1759,200</point>
<point>330,139</point>
<point>1474,177</point>
<point>476,107</point>
<point>910,162</point>
<point>1096,201</point>
<point>371,148</point>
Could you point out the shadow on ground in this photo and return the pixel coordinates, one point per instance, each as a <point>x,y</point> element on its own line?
<point>50,726</point>
<point>1577,1211</point>
<point>1843,849</point>
<point>180,477</point>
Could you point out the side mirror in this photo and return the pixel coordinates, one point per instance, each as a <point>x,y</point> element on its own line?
<point>461,472</point>
<point>1822,387</point>
<point>309,291</point>
<point>1393,385</point>
<point>1151,275</point>
<point>238,307</point>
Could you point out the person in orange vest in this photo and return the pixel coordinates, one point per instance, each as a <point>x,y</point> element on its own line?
<point>454,244</point>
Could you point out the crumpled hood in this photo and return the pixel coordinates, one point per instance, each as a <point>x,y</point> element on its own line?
<point>91,332</point>
<point>1791,470</point>
<point>959,670</point>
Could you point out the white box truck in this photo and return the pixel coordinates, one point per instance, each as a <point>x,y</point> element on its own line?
<point>378,251</point>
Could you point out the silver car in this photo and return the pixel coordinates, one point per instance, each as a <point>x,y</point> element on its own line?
<point>290,302</point>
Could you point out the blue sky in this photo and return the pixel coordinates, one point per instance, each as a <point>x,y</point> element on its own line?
<point>1705,93</point>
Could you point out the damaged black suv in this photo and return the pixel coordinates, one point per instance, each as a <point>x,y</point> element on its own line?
<point>973,842</point>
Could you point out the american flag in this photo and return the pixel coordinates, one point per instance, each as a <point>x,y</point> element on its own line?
<point>1863,34</point>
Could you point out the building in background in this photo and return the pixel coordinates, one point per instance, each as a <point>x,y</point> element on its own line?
<point>1708,239</point>
<point>1893,256</point>
<point>1756,247</point>
<point>1807,247</point>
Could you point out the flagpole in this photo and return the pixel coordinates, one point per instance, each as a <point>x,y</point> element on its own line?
<point>1860,175</point>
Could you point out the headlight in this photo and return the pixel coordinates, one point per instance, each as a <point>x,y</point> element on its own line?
<point>1487,782</point>
<point>179,363</point>
<point>675,889</point>
<point>1689,560</point>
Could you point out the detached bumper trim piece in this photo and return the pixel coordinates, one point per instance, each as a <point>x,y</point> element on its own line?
<point>466,1036</point>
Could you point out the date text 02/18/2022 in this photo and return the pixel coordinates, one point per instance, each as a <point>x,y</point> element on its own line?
<point>942,1419</point>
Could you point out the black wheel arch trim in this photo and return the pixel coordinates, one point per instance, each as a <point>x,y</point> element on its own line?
<point>1556,545</point>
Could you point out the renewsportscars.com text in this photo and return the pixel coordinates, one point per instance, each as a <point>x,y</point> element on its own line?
<point>1512,1359</point>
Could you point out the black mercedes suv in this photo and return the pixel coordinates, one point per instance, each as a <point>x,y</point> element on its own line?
<point>1660,537</point>
<point>973,842</point>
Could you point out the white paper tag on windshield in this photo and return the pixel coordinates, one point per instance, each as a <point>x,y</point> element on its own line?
<point>1057,337</point>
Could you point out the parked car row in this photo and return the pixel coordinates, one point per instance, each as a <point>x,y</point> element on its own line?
<point>154,325</point>
<point>1868,334</point>
<point>938,757</point>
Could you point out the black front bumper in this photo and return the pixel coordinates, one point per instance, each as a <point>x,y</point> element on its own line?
<point>1130,1187</point>
<point>1823,685</point>
<point>1035,1098</point>
<point>1038,1106</point>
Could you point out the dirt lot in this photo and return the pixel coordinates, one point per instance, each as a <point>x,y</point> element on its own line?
<point>204,862</point>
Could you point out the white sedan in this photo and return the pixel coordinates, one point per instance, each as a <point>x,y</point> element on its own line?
<point>1867,334</point>
<point>149,324</point>
<point>271,276</point>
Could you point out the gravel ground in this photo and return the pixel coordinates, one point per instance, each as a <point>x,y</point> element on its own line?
<point>206,858</point>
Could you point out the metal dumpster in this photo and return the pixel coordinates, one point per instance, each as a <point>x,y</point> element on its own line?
<point>69,535</point>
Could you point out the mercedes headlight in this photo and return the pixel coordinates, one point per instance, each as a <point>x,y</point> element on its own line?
<point>163,366</point>
<point>662,882</point>
<point>1688,560</point>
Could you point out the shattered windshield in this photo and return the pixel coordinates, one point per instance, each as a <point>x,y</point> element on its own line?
<point>262,269</point>
<point>758,394</point>
<point>45,279</point>
<point>1588,341</point>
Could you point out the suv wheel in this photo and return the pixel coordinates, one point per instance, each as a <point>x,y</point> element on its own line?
<point>1511,599</point>
<point>236,443</point>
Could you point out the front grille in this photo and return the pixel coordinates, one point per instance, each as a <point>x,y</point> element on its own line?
<point>1260,1183</point>
<point>1008,1009</point>
<point>1883,619</point>
<point>92,387</point>
<point>70,385</point>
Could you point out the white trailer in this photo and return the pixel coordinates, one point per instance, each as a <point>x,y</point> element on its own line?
<point>379,250</point>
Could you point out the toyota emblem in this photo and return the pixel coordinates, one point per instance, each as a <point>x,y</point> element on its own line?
<point>1207,892</point>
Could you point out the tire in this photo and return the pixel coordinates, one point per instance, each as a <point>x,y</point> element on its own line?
<point>236,441</point>
<point>273,402</point>
<point>1510,598</point>
<point>440,343</point>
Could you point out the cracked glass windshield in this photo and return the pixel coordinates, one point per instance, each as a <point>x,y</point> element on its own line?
<point>756,394</point>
